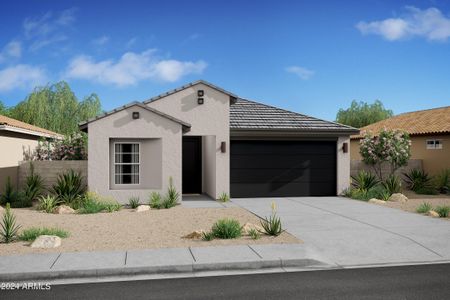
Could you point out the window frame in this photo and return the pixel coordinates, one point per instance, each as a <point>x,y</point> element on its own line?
<point>114,164</point>
<point>433,146</point>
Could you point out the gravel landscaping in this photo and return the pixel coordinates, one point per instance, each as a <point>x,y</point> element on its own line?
<point>126,229</point>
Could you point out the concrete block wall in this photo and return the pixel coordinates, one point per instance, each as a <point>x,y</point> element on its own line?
<point>49,170</point>
<point>358,165</point>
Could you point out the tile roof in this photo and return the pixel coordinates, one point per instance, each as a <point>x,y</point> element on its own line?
<point>430,121</point>
<point>250,115</point>
<point>13,123</point>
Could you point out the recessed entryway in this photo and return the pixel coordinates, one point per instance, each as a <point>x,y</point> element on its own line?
<point>192,165</point>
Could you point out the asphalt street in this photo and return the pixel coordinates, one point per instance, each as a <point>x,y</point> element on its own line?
<point>403,282</point>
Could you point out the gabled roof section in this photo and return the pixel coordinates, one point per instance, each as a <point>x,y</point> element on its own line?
<point>11,124</point>
<point>83,125</point>
<point>430,121</point>
<point>251,115</point>
<point>233,97</point>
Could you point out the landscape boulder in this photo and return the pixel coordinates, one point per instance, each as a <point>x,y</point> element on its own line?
<point>377,201</point>
<point>433,214</point>
<point>249,226</point>
<point>46,242</point>
<point>194,235</point>
<point>398,197</point>
<point>64,210</point>
<point>142,208</point>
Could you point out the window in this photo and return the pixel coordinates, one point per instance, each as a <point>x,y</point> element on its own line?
<point>434,144</point>
<point>126,163</point>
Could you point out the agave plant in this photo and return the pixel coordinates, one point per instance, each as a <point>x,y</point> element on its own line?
<point>364,181</point>
<point>417,180</point>
<point>69,187</point>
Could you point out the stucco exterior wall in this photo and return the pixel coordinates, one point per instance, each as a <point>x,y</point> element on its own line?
<point>433,160</point>
<point>12,145</point>
<point>209,119</point>
<point>343,164</point>
<point>121,126</point>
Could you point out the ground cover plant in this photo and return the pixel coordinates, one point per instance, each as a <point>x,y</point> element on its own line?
<point>30,234</point>
<point>424,208</point>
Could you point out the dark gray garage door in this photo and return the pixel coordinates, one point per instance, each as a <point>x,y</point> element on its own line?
<point>282,168</point>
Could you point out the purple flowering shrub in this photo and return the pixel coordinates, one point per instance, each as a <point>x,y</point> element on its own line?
<point>390,146</point>
<point>72,147</point>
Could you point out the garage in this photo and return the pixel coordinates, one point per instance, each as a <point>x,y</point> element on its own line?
<point>261,168</point>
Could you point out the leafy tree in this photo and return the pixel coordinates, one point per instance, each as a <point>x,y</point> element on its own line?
<point>390,146</point>
<point>55,107</point>
<point>360,114</point>
<point>3,109</point>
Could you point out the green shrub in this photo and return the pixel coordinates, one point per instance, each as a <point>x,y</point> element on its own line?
<point>48,203</point>
<point>133,202</point>
<point>9,228</point>
<point>254,234</point>
<point>13,197</point>
<point>443,211</point>
<point>424,208</point>
<point>383,194</point>
<point>32,233</point>
<point>207,236</point>
<point>93,203</point>
<point>69,187</point>
<point>442,181</point>
<point>418,181</point>
<point>155,200</point>
<point>34,186</point>
<point>172,196</point>
<point>224,197</point>
<point>226,229</point>
<point>392,184</point>
<point>364,181</point>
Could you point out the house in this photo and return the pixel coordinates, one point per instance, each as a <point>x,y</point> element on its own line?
<point>210,141</point>
<point>15,138</point>
<point>429,131</point>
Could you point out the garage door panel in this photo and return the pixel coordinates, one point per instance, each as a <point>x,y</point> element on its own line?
<point>285,161</point>
<point>282,168</point>
<point>282,175</point>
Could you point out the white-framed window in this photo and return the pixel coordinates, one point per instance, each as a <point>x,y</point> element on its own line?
<point>126,163</point>
<point>434,144</point>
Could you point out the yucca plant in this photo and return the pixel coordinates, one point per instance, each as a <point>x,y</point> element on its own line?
<point>392,184</point>
<point>272,224</point>
<point>34,186</point>
<point>172,196</point>
<point>69,187</point>
<point>9,227</point>
<point>48,203</point>
<point>417,180</point>
<point>364,181</point>
<point>12,196</point>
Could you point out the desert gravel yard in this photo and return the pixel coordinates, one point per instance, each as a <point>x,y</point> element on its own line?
<point>413,203</point>
<point>127,230</point>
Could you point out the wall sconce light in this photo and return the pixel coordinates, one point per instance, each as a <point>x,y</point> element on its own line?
<point>200,93</point>
<point>135,115</point>
<point>200,101</point>
<point>345,147</point>
<point>223,147</point>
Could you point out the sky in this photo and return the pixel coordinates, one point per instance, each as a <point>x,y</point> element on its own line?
<point>312,57</point>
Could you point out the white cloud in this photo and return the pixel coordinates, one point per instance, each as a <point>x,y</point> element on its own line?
<point>131,42</point>
<point>132,68</point>
<point>100,41</point>
<point>12,50</point>
<point>428,23</point>
<point>301,72</point>
<point>21,76</point>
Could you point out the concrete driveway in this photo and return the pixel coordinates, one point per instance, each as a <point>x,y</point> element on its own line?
<point>349,232</point>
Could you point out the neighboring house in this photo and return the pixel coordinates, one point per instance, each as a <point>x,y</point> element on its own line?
<point>15,137</point>
<point>210,141</point>
<point>429,131</point>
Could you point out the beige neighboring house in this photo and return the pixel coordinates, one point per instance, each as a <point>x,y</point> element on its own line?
<point>15,137</point>
<point>210,141</point>
<point>429,131</point>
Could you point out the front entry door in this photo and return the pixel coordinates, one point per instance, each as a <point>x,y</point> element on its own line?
<point>192,165</point>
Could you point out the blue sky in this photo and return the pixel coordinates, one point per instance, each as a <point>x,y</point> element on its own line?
<point>312,57</point>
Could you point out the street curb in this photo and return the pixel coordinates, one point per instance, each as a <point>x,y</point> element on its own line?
<point>159,270</point>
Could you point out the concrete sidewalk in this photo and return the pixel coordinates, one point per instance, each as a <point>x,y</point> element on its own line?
<point>173,261</point>
<point>350,233</point>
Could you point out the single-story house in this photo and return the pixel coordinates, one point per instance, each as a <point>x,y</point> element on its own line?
<point>210,141</point>
<point>429,131</point>
<point>15,138</point>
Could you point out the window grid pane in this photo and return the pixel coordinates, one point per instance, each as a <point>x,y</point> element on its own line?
<point>126,163</point>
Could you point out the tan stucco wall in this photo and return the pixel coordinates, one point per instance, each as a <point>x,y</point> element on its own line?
<point>121,126</point>
<point>209,119</point>
<point>12,145</point>
<point>433,160</point>
<point>343,165</point>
